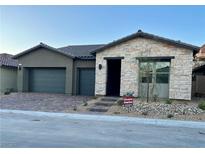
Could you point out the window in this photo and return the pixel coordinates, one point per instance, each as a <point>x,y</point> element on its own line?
<point>155,71</point>
<point>162,67</point>
<point>147,78</point>
<point>162,78</point>
<point>162,72</point>
<point>146,70</point>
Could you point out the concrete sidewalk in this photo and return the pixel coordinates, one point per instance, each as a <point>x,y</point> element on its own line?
<point>157,122</point>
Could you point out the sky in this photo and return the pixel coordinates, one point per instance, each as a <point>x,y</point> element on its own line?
<point>22,27</point>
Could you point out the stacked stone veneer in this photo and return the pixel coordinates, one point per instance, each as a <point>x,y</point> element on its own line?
<point>180,72</point>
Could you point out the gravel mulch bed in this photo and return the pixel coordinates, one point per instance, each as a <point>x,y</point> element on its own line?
<point>164,109</point>
<point>178,110</point>
<point>41,102</point>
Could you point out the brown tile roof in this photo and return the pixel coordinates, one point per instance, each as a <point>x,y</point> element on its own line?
<point>6,60</point>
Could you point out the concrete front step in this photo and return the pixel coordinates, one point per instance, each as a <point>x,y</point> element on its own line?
<point>98,109</point>
<point>103,103</point>
<point>111,99</point>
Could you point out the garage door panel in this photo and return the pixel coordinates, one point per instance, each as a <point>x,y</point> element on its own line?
<point>86,81</point>
<point>51,80</point>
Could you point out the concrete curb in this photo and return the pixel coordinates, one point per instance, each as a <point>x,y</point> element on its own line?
<point>159,122</point>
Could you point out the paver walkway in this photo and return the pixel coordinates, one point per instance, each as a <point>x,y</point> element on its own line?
<point>41,101</point>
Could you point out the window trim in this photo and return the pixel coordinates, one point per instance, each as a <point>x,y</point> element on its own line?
<point>163,58</point>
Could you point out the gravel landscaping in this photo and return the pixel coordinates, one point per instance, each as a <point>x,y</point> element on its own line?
<point>164,109</point>
<point>181,110</point>
<point>41,102</point>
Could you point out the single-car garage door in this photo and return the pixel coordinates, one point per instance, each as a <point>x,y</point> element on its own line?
<point>86,81</point>
<point>48,80</point>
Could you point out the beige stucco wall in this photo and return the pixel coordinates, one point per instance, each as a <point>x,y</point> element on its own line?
<point>44,58</point>
<point>8,79</point>
<point>80,64</point>
<point>180,73</point>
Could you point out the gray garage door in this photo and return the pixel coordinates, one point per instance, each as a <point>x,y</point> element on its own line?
<point>48,80</point>
<point>86,84</point>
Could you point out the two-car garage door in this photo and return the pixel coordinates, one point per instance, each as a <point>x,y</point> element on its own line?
<point>48,80</point>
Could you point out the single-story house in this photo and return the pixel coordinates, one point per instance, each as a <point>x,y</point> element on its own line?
<point>8,73</point>
<point>112,69</point>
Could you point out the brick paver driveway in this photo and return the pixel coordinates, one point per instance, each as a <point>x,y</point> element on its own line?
<point>41,102</point>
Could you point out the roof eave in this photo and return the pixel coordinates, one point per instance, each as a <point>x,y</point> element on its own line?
<point>41,45</point>
<point>10,66</point>
<point>149,36</point>
<point>85,58</point>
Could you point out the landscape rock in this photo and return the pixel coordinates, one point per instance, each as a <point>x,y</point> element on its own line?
<point>160,108</point>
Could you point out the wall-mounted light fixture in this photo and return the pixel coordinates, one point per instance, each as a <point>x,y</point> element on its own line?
<point>100,66</point>
<point>19,66</point>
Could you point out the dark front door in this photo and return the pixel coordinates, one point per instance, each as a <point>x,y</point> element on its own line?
<point>113,77</point>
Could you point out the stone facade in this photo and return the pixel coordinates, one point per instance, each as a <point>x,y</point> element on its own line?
<point>180,71</point>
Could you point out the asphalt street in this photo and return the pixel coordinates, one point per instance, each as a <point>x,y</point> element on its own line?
<point>41,131</point>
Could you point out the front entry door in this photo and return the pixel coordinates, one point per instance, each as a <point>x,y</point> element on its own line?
<point>113,77</point>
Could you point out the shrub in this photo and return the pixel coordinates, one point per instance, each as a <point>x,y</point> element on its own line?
<point>202,105</point>
<point>8,91</point>
<point>85,104</point>
<point>95,97</point>
<point>116,112</point>
<point>170,115</point>
<point>75,108</point>
<point>144,113</point>
<point>130,93</point>
<point>120,102</point>
<point>155,98</point>
<point>168,101</point>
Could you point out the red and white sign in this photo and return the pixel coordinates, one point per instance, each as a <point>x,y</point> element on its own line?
<point>128,100</point>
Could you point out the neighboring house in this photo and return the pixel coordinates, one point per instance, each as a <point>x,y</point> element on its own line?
<point>198,82</point>
<point>112,69</point>
<point>8,73</point>
<point>201,54</point>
